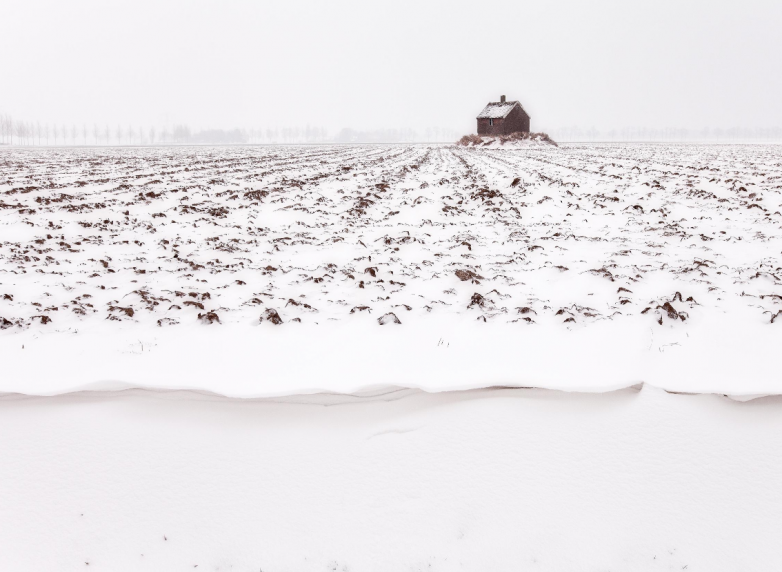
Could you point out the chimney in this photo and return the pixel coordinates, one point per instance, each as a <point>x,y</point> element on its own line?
<point>502,99</point>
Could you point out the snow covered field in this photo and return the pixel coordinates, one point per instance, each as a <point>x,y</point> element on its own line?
<point>503,480</point>
<point>272,315</point>
<point>581,266</point>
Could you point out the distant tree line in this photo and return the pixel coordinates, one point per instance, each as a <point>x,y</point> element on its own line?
<point>668,134</point>
<point>20,132</point>
<point>34,133</point>
<point>29,133</point>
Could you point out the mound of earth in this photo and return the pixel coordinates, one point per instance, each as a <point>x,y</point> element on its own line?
<point>520,139</point>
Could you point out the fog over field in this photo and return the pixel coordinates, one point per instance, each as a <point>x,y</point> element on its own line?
<point>606,70</point>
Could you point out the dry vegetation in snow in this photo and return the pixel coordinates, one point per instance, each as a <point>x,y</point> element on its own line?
<point>510,140</point>
<point>570,235</point>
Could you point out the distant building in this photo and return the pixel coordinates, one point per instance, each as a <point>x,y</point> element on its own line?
<point>502,118</point>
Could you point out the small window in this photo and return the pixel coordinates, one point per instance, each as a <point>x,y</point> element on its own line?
<point>491,121</point>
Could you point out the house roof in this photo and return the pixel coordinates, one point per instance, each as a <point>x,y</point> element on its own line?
<point>498,109</point>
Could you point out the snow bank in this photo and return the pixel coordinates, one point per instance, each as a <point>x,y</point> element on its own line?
<point>482,480</point>
<point>721,355</point>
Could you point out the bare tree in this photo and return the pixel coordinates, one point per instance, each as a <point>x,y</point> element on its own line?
<point>130,135</point>
<point>95,132</point>
<point>19,130</point>
<point>5,127</point>
<point>29,133</point>
<point>46,132</point>
<point>151,135</point>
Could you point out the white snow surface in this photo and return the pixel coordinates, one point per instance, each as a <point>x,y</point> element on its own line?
<point>579,267</point>
<point>500,480</point>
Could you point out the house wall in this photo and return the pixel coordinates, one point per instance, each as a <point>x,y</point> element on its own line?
<point>485,129</point>
<point>517,120</point>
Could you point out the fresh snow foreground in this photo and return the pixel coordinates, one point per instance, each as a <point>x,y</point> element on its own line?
<point>276,270</point>
<point>501,480</point>
<point>322,286</point>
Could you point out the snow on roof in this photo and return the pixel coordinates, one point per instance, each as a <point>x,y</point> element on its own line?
<point>497,109</point>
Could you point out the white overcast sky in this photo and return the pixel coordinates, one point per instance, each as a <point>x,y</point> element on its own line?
<point>400,64</point>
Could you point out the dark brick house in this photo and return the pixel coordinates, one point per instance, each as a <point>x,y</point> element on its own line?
<point>502,118</point>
